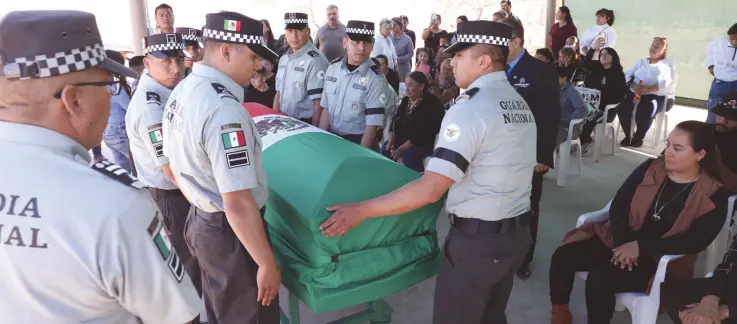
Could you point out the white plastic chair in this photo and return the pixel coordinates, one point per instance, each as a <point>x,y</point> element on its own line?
<point>564,154</point>
<point>601,129</point>
<point>644,307</point>
<point>661,123</point>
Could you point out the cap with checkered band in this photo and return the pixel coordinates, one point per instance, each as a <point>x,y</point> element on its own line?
<point>727,106</point>
<point>234,28</point>
<point>191,36</point>
<point>480,32</point>
<point>358,30</point>
<point>295,20</point>
<point>47,43</point>
<point>164,45</point>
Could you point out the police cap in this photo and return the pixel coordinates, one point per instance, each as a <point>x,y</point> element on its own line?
<point>295,20</point>
<point>358,30</point>
<point>191,36</point>
<point>47,43</point>
<point>234,28</point>
<point>471,33</point>
<point>164,45</point>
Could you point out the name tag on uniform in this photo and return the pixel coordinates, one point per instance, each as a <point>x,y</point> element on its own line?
<point>299,69</point>
<point>359,87</point>
<point>331,79</point>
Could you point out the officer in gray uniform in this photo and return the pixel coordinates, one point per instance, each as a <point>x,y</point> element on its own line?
<point>214,152</point>
<point>81,244</point>
<point>301,73</point>
<point>356,94</point>
<point>485,154</point>
<point>164,70</point>
<point>192,45</point>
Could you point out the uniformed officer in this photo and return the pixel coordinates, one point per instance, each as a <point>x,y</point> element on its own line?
<point>192,45</point>
<point>356,94</point>
<point>164,63</point>
<point>80,244</point>
<point>485,154</point>
<point>215,155</point>
<point>301,73</point>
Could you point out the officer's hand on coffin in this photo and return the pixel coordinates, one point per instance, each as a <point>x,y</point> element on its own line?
<point>346,217</point>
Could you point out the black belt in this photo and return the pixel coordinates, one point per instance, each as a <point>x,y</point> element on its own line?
<point>160,193</point>
<point>478,226</point>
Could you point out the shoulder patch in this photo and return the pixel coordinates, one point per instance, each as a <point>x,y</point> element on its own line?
<point>336,60</point>
<point>376,70</point>
<point>223,92</point>
<point>153,97</point>
<point>313,54</point>
<point>117,173</point>
<point>471,92</point>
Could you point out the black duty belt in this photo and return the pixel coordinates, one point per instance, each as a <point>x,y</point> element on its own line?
<point>478,226</point>
<point>161,193</point>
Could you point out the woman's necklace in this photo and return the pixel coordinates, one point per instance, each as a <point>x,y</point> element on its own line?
<point>656,211</point>
<point>412,106</point>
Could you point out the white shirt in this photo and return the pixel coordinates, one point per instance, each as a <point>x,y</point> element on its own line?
<point>723,56</point>
<point>385,45</point>
<point>211,142</point>
<point>81,246</point>
<point>590,36</point>
<point>662,74</point>
<point>145,137</point>
<point>488,146</point>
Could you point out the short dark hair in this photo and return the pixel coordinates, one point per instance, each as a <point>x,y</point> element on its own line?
<point>507,2</point>
<point>498,54</point>
<point>463,18</point>
<point>547,53</point>
<point>163,6</point>
<point>732,30</point>
<point>609,14</point>
<point>517,30</point>
<point>382,57</point>
<point>398,22</point>
<point>136,62</point>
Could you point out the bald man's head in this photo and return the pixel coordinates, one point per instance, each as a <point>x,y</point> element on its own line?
<point>80,113</point>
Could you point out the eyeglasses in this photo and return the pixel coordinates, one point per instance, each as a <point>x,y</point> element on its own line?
<point>113,86</point>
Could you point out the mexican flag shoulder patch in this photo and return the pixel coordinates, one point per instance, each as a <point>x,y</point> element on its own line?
<point>234,139</point>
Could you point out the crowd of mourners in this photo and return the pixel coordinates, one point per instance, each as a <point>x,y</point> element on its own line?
<point>673,204</point>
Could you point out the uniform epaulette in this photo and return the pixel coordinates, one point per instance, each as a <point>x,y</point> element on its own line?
<point>223,91</point>
<point>117,173</point>
<point>313,53</point>
<point>153,97</point>
<point>336,60</point>
<point>471,92</point>
<point>376,69</point>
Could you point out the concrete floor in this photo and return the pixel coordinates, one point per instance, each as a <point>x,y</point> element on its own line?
<point>560,208</point>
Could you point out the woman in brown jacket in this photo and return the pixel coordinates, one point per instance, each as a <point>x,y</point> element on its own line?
<point>674,204</point>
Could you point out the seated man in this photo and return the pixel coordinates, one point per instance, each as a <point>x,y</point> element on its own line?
<point>571,103</point>
<point>705,300</point>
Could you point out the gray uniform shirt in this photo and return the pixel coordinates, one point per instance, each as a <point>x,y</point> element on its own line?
<point>145,137</point>
<point>80,246</point>
<point>212,144</point>
<point>487,144</point>
<point>330,41</point>
<point>355,98</point>
<point>299,80</point>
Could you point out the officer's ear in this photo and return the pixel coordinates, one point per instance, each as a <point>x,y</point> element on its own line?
<point>225,51</point>
<point>146,62</point>
<point>345,42</point>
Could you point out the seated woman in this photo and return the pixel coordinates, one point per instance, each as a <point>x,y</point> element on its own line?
<point>674,204</point>
<point>445,87</point>
<point>415,125</point>
<point>607,76</point>
<point>571,103</point>
<point>568,58</point>
<point>652,78</point>
<point>545,55</point>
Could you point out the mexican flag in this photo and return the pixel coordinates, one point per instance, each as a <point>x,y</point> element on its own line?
<point>232,25</point>
<point>309,169</point>
<point>156,136</point>
<point>234,139</point>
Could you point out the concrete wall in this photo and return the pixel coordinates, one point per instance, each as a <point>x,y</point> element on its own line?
<point>689,26</point>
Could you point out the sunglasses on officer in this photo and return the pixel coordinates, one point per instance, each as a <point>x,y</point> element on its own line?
<point>112,86</point>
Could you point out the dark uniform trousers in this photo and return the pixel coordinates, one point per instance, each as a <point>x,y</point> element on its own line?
<point>228,271</point>
<point>479,259</point>
<point>676,295</point>
<point>174,208</point>
<point>535,196</point>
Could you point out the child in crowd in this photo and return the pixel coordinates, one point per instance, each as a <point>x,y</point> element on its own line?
<point>424,60</point>
<point>545,55</point>
<point>259,91</point>
<point>572,42</point>
<point>567,57</point>
<point>571,103</point>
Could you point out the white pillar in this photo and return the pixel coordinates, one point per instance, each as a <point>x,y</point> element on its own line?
<point>139,24</point>
<point>549,18</point>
